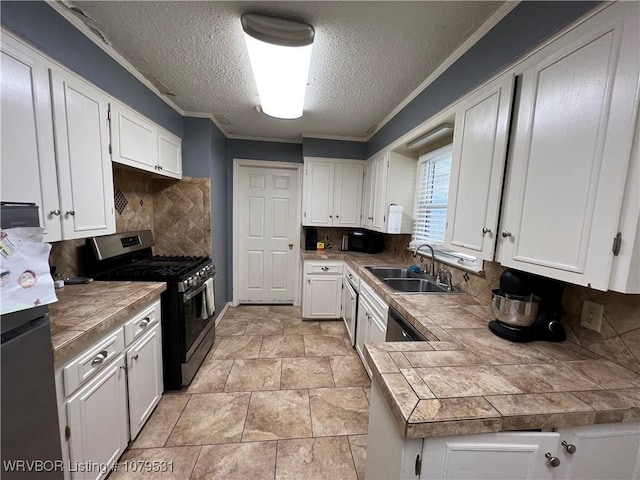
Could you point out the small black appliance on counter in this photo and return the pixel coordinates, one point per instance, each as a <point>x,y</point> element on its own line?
<point>528,307</point>
<point>366,241</point>
<point>310,239</point>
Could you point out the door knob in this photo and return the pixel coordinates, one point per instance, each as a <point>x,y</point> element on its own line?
<point>290,246</point>
<point>505,234</point>
<point>55,212</point>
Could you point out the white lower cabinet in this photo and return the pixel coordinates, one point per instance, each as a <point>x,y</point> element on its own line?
<point>108,392</point>
<point>144,379</point>
<point>596,452</point>
<point>322,289</point>
<point>606,451</point>
<point>97,422</point>
<point>371,326</point>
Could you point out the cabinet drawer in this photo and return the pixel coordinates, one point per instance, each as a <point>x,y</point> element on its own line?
<point>352,276</point>
<point>324,268</point>
<point>141,322</point>
<point>92,361</point>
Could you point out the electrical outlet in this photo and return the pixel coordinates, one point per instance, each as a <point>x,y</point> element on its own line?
<point>592,315</point>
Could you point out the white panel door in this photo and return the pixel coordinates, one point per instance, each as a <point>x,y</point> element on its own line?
<point>610,451</point>
<point>144,379</point>
<point>97,418</point>
<point>571,152</point>
<point>169,154</point>
<point>477,170</point>
<point>318,194</point>
<point>494,456</point>
<point>268,234</point>
<point>28,155</point>
<point>347,195</point>
<point>84,165</point>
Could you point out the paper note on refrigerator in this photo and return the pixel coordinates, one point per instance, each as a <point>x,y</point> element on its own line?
<point>25,280</point>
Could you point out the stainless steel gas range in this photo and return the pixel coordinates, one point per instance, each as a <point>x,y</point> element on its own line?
<point>188,326</point>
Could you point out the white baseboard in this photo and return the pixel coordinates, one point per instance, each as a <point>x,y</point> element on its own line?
<point>224,310</point>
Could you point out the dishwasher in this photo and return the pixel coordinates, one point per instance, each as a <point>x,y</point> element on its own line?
<point>400,330</point>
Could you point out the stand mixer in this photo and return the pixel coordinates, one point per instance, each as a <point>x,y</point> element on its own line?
<point>528,307</point>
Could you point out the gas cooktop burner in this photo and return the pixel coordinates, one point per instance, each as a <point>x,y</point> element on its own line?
<point>159,266</point>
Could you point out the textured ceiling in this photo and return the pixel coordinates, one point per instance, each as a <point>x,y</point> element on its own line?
<point>367,56</point>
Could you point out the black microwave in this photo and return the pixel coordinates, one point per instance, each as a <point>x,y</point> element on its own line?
<point>366,241</point>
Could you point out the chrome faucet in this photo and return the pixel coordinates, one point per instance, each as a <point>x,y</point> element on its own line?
<point>432,268</point>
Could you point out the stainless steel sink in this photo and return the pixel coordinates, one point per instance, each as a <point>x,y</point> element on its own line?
<point>392,272</point>
<point>414,285</point>
<point>403,280</point>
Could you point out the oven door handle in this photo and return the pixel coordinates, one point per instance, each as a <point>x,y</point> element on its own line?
<point>189,295</point>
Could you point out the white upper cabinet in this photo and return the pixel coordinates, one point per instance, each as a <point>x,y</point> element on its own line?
<point>70,179</point>
<point>390,180</point>
<point>133,138</point>
<point>477,169</point>
<point>169,154</point>
<point>140,143</point>
<point>28,155</point>
<point>84,166</point>
<point>572,138</point>
<point>332,192</point>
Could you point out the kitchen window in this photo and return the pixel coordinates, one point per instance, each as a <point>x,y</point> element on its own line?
<point>430,211</point>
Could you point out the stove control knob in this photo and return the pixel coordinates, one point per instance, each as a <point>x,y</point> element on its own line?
<point>190,281</point>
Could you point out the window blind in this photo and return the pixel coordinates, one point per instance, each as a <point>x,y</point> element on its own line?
<point>434,169</point>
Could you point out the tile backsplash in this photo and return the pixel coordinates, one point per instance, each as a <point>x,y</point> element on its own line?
<point>178,212</point>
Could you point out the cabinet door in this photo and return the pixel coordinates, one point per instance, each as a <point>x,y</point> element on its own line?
<point>144,379</point>
<point>349,309</point>
<point>133,139</point>
<point>367,195</point>
<point>84,166</point>
<point>377,329</point>
<point>362,331</point>
<point>347,194</point>
<point>97,417</point>
<point>571,151</point>
<point>610,451</point>
<point>322,295</point>
<point>477,169</point>
<point>28,155</point>
<point>489,456</point>
<point>169,155</point>
<point>379,214</point>
<point>318,194</point>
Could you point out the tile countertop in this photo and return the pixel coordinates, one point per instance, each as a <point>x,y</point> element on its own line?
<point>84,313</point>
<point>466,380</point>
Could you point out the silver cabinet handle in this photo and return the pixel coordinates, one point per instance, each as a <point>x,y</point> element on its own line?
<point>337,216</point>
<point>135,357</point>
<point>553,461</point>
<point>145,321</point>
<point>571,448</point>
<point>70,212</point>
<point>505,234</point>
<point>55,212</point>
<point>290,246</point>
<point>99,358</point>
<point>486,230</point>
<point>324,269</point>
<point>370,218</point>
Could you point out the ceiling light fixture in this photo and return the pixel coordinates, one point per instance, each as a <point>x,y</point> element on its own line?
<point>280,53</point>
<point>431,136</point>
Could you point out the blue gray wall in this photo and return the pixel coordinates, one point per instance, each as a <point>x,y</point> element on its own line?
<point>204,155</point>
<point>41,26</point>
<point>318,147</point>
<point>525,27</point>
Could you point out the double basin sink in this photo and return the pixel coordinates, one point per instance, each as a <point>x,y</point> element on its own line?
<point>403,280</point>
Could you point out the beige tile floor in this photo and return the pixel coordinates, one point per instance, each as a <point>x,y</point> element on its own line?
<point>276,398</point>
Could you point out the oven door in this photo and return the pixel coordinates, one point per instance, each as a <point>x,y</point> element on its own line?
<point>197,323</point>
